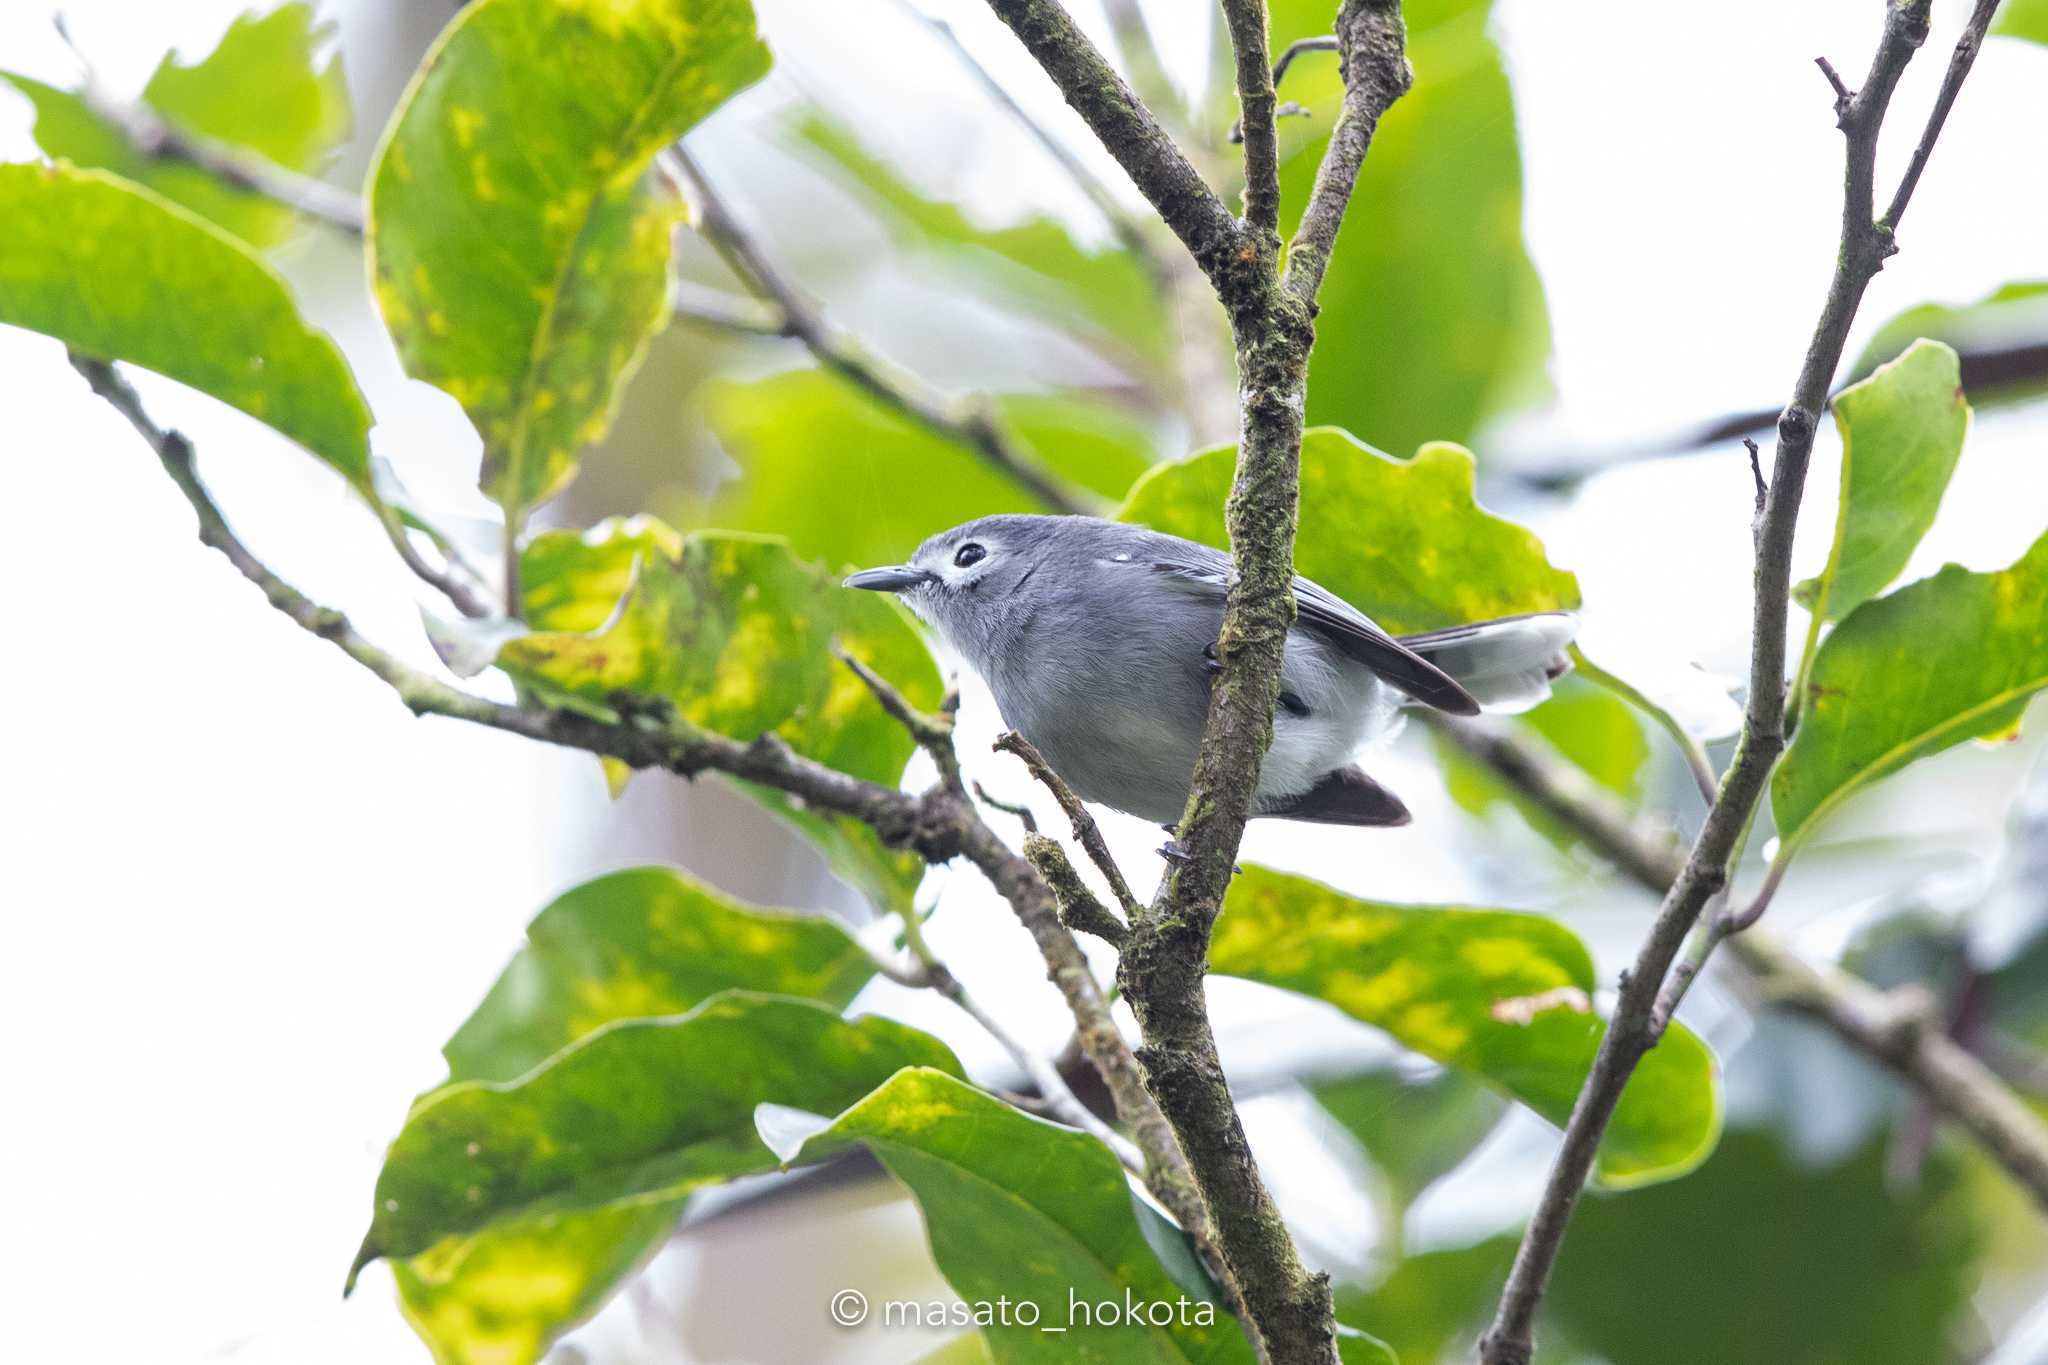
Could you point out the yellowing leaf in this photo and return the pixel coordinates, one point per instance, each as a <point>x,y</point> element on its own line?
<point>1401,540</point>
<point>1504,996</point>
<point>520,251</point>
<point>736,635</point>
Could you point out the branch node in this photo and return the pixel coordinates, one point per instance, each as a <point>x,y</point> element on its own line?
<point>1086,832</point>
<point>1845,98</point>
<point>1077,907</point>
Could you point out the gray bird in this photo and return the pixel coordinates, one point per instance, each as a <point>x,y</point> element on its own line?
<point>1098,640</point>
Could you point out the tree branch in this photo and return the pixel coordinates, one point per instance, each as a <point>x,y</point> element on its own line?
<point>970,423</point>
<point>1165,954</point>
<point>939,825</point>
<point>1865,243</point>
<point>1086,832</point>
<point>1161,171</point>
<point>1890,1028</point>
<point>1372,47</point>
<point>1256,103</point>
<point>151,135</point>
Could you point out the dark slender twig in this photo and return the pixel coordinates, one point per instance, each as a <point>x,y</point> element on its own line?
<point>1959,63</point>
<point>1161,171</point>
<point>153,136</point>
<point>1327,43</point>
<point>1865,243</point>
<point>1016,810</point>
<point>933,733</point>
<point>1127,228</point>
<point>970,422</point>
<point>1086,832</point>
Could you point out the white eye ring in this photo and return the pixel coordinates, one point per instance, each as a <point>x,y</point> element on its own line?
<point>969,555</point>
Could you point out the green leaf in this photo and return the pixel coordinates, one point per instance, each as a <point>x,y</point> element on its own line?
<point>1432,314</point>
<point>735,634</point>
<point>893,482</point>
<point>1731,1260</point>
<point>1020,1209</point>
<point>520,249</point>
<point>2023,19</point>
<point>1034,265</point>
<point>1436,1302</point>
<point>1949,658</point>
<point>2009,313</point>
<point>264,89</point>
<point>1902,430</point>
<point>642,1111</point>
<point>638,943</point>
<point>1505,996</point>
<point>1401,540</point>
<point>117,272</point>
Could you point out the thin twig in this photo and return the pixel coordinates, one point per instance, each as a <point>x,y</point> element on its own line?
<point>1122,222</point>
<point>970,422</point>
<point>1014,809</point>
<point>931,973</point>
<point>1086,832</point>
<point>1079,910</point>
<point>689,301</point>
<point>933,732</point>
<point>1865,243</point>
<point>155,137</point>
<point>1959,1087</point>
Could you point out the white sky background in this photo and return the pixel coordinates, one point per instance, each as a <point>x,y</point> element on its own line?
<point>247,896</point>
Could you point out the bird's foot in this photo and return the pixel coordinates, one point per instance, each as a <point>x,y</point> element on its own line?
<point>1175,854</point>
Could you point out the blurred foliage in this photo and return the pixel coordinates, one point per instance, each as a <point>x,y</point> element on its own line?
<point>118,273</point>
<point>2023,19</point>
<point>735,635</point>
<point>1810,1267</point>
<point>1414,1129</point>
<point>1034,266</point>
<point>1902,431</point>
<point>853,482</point>
<point>530,126</point>
<point>265,89</point>
<point>1505,996</point>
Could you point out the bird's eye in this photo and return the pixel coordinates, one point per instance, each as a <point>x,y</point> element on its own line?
<point>969,554</point>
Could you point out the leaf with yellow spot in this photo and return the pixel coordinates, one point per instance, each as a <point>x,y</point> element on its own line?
<point>270,87</point>
<point>1498,994</point>
<point>1018,1208</point>
<point>512,196</point>
<point>736,635</point>
<point>522,1203</point>
<point>115,271</point>
<point>646,941</point>
<point>1949,658</point>
<point>1404,541</point>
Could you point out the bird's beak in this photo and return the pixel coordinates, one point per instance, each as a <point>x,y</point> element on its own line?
<point>895,578</point>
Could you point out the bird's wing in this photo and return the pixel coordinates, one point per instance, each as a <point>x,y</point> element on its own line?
<point>1205,571</point>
